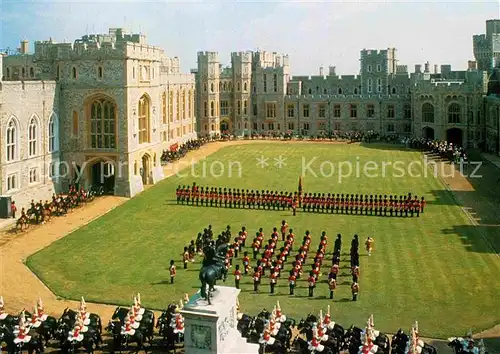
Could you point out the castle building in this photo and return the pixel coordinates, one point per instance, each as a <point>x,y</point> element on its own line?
<point>100,110</point>
<point>257,94</point>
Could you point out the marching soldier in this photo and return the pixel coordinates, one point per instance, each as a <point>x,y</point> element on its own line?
<point>332,283</point>
<point>256,279</point>
<point>246,262</point>
<point>237,276</point>
<point>173,271</point>
<point>185,257</point>
<point>273,278</point>
<point>369,245</point>
<point>355,290</point>
<point>284,228</point>
<point>291,281</point>
<point>312,283</point>
<point>338,244</point>
<point>422,205</point>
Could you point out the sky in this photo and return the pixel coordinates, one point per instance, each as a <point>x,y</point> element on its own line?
<point>312,33</point>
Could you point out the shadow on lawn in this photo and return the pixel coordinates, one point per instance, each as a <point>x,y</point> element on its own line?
<point>472,237</point>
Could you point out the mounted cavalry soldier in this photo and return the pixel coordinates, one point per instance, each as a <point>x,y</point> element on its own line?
<point>3,314</point>
<point>22,330</point>
<point>78,330</point>
<point>128,327</point>
<point>278,314</point>
<point>327,321</point>
<point>136,309</point>
<point>82,310</point>
<point>315,345</point>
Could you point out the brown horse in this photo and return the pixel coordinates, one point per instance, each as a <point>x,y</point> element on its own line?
<point>46,214</point>
<point>22,223</point>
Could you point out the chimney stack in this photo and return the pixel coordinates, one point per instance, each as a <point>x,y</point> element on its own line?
<point>321,71</point>
<point>436,69</point>
<point>331,71</point>
<point>418,69</point>
<point>24,47</point>
<point>426,70</point>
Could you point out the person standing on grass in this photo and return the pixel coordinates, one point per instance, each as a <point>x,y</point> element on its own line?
<point>355,291</point>
<point>284,228</point>
<point>369,245</point>
<point>312,283</point>
<point>273,278</point>
<point>185,257</point>
<point>291,281</point>
<point>237,276</point>
<point>332,284</point>
<point>246,262</point>
<point>256,279</point>
<point>173,271</point>
<point>338,244</point>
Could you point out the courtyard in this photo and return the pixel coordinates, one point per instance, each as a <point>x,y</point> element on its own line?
<point>436,269</point>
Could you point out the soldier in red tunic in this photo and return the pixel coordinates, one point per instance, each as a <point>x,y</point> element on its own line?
<point>172,271</point>
<point>273,278</point>
<point>246,262</point>
<point>312,284</point>
<point>284,228</point>
<point>256,279</point>
<point>237,276</point>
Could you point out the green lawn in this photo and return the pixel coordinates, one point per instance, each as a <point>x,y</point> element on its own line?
<point>417,271</point>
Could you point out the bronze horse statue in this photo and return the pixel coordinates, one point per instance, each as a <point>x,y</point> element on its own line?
<point>213,269</point>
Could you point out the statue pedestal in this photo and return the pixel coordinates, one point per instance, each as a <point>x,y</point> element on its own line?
<point>211,329</point>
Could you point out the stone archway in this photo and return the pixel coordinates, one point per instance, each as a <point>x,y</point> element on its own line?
<point>455,136</point>
<point>428,133</point>
<point>146,169</point>
<point>102,173</point>
<point>225,126</point>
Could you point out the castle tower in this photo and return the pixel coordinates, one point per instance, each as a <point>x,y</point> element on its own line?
<point>208,77</point>
<point>241,63</point>
<point>376,66</point>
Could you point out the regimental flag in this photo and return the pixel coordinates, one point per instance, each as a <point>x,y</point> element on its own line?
<point>300,185</point>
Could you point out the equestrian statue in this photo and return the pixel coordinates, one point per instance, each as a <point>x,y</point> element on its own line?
<point>213,268</point>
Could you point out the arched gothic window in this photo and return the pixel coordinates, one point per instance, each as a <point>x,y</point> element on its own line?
<point>102,124</point>
<point>12,139</point>
<point>32,137</point>
<point>53,127</point>
<point>454,111</point>
<point>144,120</point>
<point>427,113</point>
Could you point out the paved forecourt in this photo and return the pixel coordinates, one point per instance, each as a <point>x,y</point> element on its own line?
<point>416,272</point>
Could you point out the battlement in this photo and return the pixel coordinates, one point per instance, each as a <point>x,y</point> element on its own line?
<point>210,57</point>
<point>242,56</point>
<point>266,59</point>
<point>27,86</point>
<point>376,52</point>
<point>91,50</point>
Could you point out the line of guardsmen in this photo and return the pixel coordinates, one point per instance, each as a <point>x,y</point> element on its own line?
<point>355,204</point>
<point>234,198</point>
<point>391,205</point>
